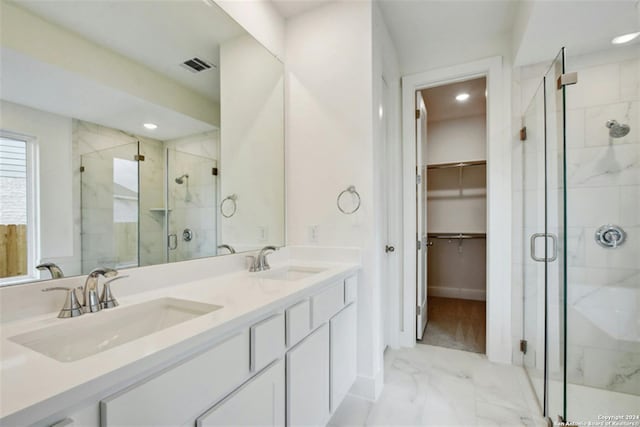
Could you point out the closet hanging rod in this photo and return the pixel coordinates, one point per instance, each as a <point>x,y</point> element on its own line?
<point>451,236</point>
<point>457,164</point>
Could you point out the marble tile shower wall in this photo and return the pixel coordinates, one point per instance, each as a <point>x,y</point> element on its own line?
<point>603,187</point>
<point>193,203</point>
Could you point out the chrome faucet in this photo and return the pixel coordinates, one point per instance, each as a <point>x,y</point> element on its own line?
<point>227,247</point>
<point>54,270</point>
<point>91,301</point>
<point>260,262</point>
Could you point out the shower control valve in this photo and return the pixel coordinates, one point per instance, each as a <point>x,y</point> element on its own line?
<point>610,236</point>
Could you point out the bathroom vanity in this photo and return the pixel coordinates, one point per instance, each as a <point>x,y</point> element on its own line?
<point>270,348</point>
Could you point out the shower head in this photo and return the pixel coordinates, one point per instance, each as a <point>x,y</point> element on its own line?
<point>616,130</point>
<point>180,179</point>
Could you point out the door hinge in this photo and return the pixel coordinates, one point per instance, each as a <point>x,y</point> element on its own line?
<point>567,79</point>
<point>418,310</point>
<point>81,168</point>
<point>139,157</point>
<point>417,114</point>
<point>523,133</point>
<point>523,346</point>
<point>418,244</point>
<point>214,171</point>
<point>418,179</point>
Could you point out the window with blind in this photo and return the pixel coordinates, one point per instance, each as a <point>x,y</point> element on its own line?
<point>14,205</point>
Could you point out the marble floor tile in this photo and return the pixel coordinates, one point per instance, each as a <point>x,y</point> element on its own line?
<point>435,386</point>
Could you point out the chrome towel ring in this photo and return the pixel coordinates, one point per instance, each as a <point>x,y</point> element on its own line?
<point>232,201</point>
<point>354,193</point>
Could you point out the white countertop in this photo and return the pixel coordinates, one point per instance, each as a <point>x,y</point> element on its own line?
<point>33,386</point>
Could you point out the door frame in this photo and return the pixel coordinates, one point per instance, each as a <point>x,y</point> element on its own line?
<point>498,308</point>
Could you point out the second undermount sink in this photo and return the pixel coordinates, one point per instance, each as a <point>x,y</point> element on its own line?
<point>75,339</point>
<point>291,273</point>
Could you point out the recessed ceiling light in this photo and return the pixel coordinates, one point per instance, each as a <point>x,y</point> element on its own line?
<point>150,126</point>
<point>625,38</point>
<point>462,97</point>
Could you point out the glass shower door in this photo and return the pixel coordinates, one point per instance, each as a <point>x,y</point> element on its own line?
<point>191,208</point>
<point>544,240</point>
<point>109,207</point>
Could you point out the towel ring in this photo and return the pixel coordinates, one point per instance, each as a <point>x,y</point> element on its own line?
<point>351,190</point>
<point>231,199</point>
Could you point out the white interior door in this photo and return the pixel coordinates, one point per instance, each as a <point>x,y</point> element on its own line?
<point>421,216</point>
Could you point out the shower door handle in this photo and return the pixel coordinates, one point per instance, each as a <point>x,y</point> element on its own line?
<point>554,252</point>
<point>172,242</point>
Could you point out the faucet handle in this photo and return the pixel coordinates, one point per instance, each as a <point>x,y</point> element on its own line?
<point>71,307</point>
<point>251,262</point>
<point>107,299</point>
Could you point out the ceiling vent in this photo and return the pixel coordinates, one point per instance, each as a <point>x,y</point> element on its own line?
<point>197,65</point>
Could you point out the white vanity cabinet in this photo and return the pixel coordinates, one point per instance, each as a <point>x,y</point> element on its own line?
<point>308,380</point>
<point>179,394</point>
<point>343,346</point>
<point>259,402</point>
<point>291,366</point>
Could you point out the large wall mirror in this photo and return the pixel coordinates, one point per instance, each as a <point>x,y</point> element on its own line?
<point>134,133</point>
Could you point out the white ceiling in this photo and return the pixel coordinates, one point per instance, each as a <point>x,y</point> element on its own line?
<point>158,34</point>
<point>442,104</point>
<point>39,85</point>
<point>290,8</point>
<point>429,33</point>
<point>580,26</point>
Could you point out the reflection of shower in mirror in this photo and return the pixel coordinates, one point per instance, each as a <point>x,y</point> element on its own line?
<point>181,179</point>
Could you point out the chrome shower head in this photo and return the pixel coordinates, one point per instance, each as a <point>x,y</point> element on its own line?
<point>180,179</point>
<point>617,130</point>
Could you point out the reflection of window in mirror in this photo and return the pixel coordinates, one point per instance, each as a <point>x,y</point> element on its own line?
<point>125,212</point>
<point>17,228</point>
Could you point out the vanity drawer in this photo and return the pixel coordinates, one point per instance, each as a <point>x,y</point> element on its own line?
<point>267,341</point>
<point>327,303</point>
<point>298,321</point>
<point>350,289</point>
<point>176,395</point>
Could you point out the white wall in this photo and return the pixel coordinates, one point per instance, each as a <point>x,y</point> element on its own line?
<point>59,241</point>
<point>261,19</point>
<point>252,144</point>
<point>455,140</point>
<point>329,147</point>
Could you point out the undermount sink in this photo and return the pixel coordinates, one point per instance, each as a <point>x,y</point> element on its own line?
<point>291,273</point>
<point>93,333</point>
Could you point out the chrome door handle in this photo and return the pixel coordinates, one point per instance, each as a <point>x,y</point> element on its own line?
<point>172,238</point>
<point>554,252</point>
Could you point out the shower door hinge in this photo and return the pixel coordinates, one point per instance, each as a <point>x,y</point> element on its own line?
<point>523,133</point>
<point>567,79</point>
<point>139,157</point>
<point>523,346</point>
<point>417,114</point>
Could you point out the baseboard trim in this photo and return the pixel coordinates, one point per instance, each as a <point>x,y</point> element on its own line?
<point>461,293</point>
<point>368,388</point>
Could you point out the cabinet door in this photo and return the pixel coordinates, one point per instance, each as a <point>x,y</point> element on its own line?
<point>308,380</point>
<point>343,328</point>
<point>259,402</point>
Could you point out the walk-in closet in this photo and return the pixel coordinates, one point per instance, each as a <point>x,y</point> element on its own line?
<point>452,194</point>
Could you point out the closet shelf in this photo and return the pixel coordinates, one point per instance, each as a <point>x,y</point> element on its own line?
<point>457,164</point>
<point>450,236</point>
